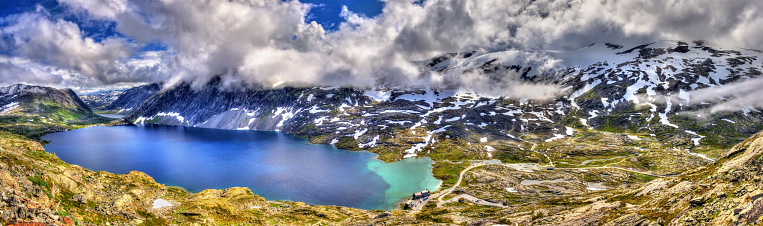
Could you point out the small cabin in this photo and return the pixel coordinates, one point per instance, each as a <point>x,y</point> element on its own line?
<point>421,194</point>
<point>409,204</point>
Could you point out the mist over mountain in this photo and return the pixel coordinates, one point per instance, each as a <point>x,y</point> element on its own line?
<point>266,43</point>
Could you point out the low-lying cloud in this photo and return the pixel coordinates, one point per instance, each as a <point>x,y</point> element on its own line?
<point>731,97</point>
<point>264,42</point>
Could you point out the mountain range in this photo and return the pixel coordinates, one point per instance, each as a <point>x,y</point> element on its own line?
<point>659,90</point>
<point>654,134</point>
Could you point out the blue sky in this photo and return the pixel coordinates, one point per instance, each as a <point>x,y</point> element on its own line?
<point>325,12</point>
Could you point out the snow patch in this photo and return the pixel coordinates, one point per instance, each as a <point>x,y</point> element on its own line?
<point>359,133</point>
<point>400,111</point>
<point>490,151</point>
<point>440,130</point>
<point>9,107</point>
<point>378,95</point>
<point>452,119</point>
<point>569,131</point>
<point>172,114</point>
<point>664,116</point>
<point>556,137</point>
<point>159,203</point>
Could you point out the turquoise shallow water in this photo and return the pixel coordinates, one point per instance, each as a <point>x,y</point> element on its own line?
<point>403,180</point>
<point>274,165</point>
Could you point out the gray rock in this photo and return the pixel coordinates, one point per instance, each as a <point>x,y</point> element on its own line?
<point>79,198</point>
<point>383,215</point>
<point>698,201</point>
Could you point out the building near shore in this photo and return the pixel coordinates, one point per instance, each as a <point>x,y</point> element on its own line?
<point>421,194</point>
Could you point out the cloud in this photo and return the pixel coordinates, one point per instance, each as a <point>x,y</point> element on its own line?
<point>731,97</point>
<point>262,42</point>
<point>55,52</point>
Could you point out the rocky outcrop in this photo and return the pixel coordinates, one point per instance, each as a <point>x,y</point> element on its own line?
<point>728,192</point>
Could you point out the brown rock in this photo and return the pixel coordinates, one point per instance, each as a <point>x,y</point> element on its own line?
<point>6,180</point>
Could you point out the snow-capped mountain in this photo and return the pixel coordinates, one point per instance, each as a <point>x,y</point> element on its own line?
<point>121,101</point>
<point>646,89</point>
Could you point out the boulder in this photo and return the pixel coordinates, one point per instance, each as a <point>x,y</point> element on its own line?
<point>697,201</point>
<point>79,198</point>
<point>383,215</point>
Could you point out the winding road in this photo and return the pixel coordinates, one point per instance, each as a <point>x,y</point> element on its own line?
<point>445,192</point>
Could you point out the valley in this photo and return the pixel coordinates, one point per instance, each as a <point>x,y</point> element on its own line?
<point>630,139</point>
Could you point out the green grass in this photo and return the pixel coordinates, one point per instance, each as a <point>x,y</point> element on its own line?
<point>347,143</point>
<point>38,181</point>
<point>448,172</point>
<point>432,214</point>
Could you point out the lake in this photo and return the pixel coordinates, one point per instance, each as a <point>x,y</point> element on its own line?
<point>273,165</point>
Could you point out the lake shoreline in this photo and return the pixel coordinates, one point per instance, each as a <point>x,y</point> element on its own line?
<point>397,189</point>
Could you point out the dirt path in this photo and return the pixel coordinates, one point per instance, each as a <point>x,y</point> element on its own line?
<point>617,168</point>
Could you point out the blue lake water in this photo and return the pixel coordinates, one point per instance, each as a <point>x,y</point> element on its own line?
<point>273,165</point>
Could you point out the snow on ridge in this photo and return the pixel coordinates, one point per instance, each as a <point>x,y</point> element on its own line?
<point>556,137</point>
<point>359,133</point>
<point>378,95</point>
<point>453,119</point>
<point>440,130</point>
<point>371,143</point>
<point>315,109</point>
<point>411,152</point>
<point>580,92</point>
<point>171,114</point>
<point>9,107</point>
<point>285,113</point>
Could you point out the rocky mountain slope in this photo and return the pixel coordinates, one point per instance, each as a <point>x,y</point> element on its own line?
<point>97,102</point>
<point>727,192</point>
<point>23,107</point>
<point>121,101</point>
<point>643,90</point>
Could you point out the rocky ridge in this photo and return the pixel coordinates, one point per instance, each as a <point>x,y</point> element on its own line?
<point>642,90</point>
<point>121,101</point>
